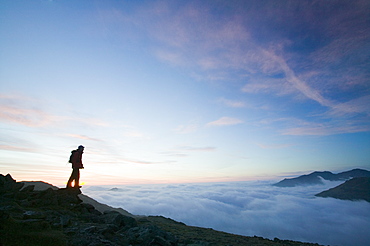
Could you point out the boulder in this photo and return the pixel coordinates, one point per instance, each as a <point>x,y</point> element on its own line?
<point>117,219</point>
<point>8,184</point>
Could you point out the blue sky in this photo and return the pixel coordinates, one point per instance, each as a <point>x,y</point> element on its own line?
<point>174,91</point>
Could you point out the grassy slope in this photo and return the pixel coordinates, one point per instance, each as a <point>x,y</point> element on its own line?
<point>187,234</point>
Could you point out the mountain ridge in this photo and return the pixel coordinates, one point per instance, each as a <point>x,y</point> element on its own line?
<point>315,178</point>
<point>354,189</point>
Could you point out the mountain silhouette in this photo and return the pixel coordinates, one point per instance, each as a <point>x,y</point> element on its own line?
<point>316,178</point>
<point>353,189</point>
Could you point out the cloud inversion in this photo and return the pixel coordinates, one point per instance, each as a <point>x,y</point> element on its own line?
<point>249,208</point>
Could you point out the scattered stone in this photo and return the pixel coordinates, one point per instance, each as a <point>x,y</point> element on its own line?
<point>115,218</point>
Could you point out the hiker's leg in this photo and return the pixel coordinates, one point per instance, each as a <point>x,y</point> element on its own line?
<point>70,180</point>
<point>74,176</point>
<point>77,177</point>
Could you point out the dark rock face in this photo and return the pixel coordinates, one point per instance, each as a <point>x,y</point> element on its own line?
<point>353,189</point>
<point>58,217</point>
<point>316,178</point>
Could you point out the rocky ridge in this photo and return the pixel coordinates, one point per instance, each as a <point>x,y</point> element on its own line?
<point>29,216</point>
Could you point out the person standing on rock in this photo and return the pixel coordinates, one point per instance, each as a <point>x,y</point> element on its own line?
<point>76,160</point>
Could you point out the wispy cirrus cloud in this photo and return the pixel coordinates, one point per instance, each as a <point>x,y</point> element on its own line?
<point>225,121</point>
<point>233,103</point>
<point>17,148</point>
<point>22,114</point>
<point>89,121</point>
<point>326,125</point>
<point>171,57</point>
<point>339,117</point>
<point>195,34</point>
<point>324,129</point>
<point>110,155</point>
<point>192,36</point>
<point>185,129</point>
<point>236,48</point>
<point>317,64</point>
<point>192,148</point>
<point>132,133</point>
<point>359,105</point>
<point>186,150</point>
<point>83,137</point>
<point>280,65</point>
<point>274,146</point>
<point>29,112</point>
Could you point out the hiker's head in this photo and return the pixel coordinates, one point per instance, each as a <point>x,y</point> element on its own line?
<point>80,148</point>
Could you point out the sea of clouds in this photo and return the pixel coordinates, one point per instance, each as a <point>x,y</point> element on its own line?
<point>248,208</point>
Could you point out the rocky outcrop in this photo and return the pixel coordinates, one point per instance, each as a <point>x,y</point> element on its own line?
<point>59,217</point>
<point>318,177</point>
<point>353,189</point>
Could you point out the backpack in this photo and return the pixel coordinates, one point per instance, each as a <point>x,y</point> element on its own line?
<point>72,153</point>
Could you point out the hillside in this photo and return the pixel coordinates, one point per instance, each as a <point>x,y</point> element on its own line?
<point>353,189</point>
<point>52,216</point>
<point>317,177</point>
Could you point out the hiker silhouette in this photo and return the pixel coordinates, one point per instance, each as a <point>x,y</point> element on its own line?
<point>76,160</point>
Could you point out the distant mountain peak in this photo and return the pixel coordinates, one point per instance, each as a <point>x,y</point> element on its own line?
<point>321,172</point>
<point>317,177</point>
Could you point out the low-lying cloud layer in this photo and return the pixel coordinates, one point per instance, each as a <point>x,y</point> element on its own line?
<point>249,208</point>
